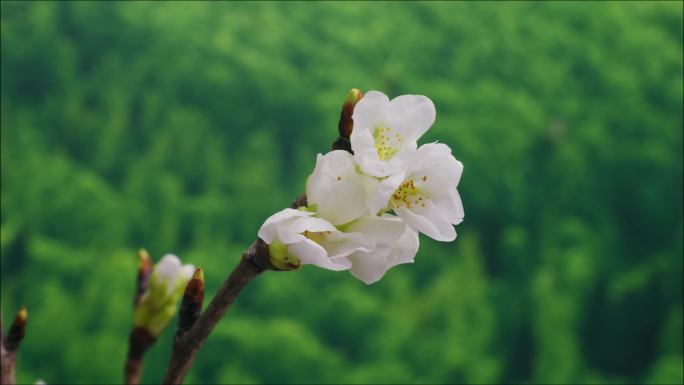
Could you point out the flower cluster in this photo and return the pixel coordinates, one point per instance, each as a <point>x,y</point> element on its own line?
<point>364,211</point>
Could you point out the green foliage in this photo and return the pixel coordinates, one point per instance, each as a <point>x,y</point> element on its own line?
<point>180,127</point>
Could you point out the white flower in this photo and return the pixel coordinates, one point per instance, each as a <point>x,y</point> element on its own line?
<point>297,236</point>
<point>384,130</point>
<point>169,273</point>
<point>426,197</point>
<point>336,191</point>
<point>395,243</point>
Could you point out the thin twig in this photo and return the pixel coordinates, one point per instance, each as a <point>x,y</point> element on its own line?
<point>139,341</point>
<point>253,262</point>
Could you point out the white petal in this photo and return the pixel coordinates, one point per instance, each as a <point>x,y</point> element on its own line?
<point>366,155</point>
<point>268,232</point>
<point>429,221</point>
<point>393,248</point>
<point>166,271</point>
<point>336,189</point>
<point>370,110</point>
<point>451,207</point>
<point>434,173</point>
<point>444,170</point>
<point>411,115</point>
<point>168,266</point>
<point>339,244</point>
<point>435,148</point>
<point>186,273</point>
<point>370,267</point>
<point>316,181</point>
<point>386,229</point>
<point>285,235</point>
<point>312,224</point>
<point>405,249</point>
<point>346,203</point>
<point>311,253</point>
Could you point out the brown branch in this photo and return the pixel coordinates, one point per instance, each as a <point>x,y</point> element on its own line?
<point>139,341</point>
<point>9,362</point>
<point>9,346</point>
<point>254,261</point>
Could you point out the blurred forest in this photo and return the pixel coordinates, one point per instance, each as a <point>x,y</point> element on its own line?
<point>180,127</point>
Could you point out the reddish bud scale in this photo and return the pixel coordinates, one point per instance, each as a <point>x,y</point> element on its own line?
<point>144,272</point>
<point>16,331</point>
<point>346,123</point>
<point>191,305</point>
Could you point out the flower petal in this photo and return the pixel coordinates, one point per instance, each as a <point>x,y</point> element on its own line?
<point>312,224</point>
<point>370,267</point>
<point>186,273</point>
<point>435,161</point>
<point>366,154</point>
<point>429,221</point>
<point>370,110</point>
<point>311,253</point>
<point>385,229</point>
<point>405,249</point>
<point>285,235</point>
<point>268,231</point>
<point>451,206</point>
<point>336,189</point>
<point>341,244</point>
<point>411,115</point>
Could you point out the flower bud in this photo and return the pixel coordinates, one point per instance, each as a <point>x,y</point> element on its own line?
<point>144,271</point>
<point>159,303</point>
<point>16,331</point>
<point>191,305</point>
<point>346,123</point>
<point>281,258</point>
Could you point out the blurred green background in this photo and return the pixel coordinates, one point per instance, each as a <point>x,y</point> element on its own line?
<point>180,127</point>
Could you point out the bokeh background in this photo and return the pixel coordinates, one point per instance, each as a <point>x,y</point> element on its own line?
<point>180,127</point>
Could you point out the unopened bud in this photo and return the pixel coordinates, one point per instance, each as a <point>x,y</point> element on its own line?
<point>144,271</point>
<point>346,123</point>
<point>191,304</point>
<point>16,331</point>
<point>159,303</point>
<point>281,258</point>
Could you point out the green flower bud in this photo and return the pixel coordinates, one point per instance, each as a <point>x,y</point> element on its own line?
<point>281,258</point>
<point>159,302</point>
